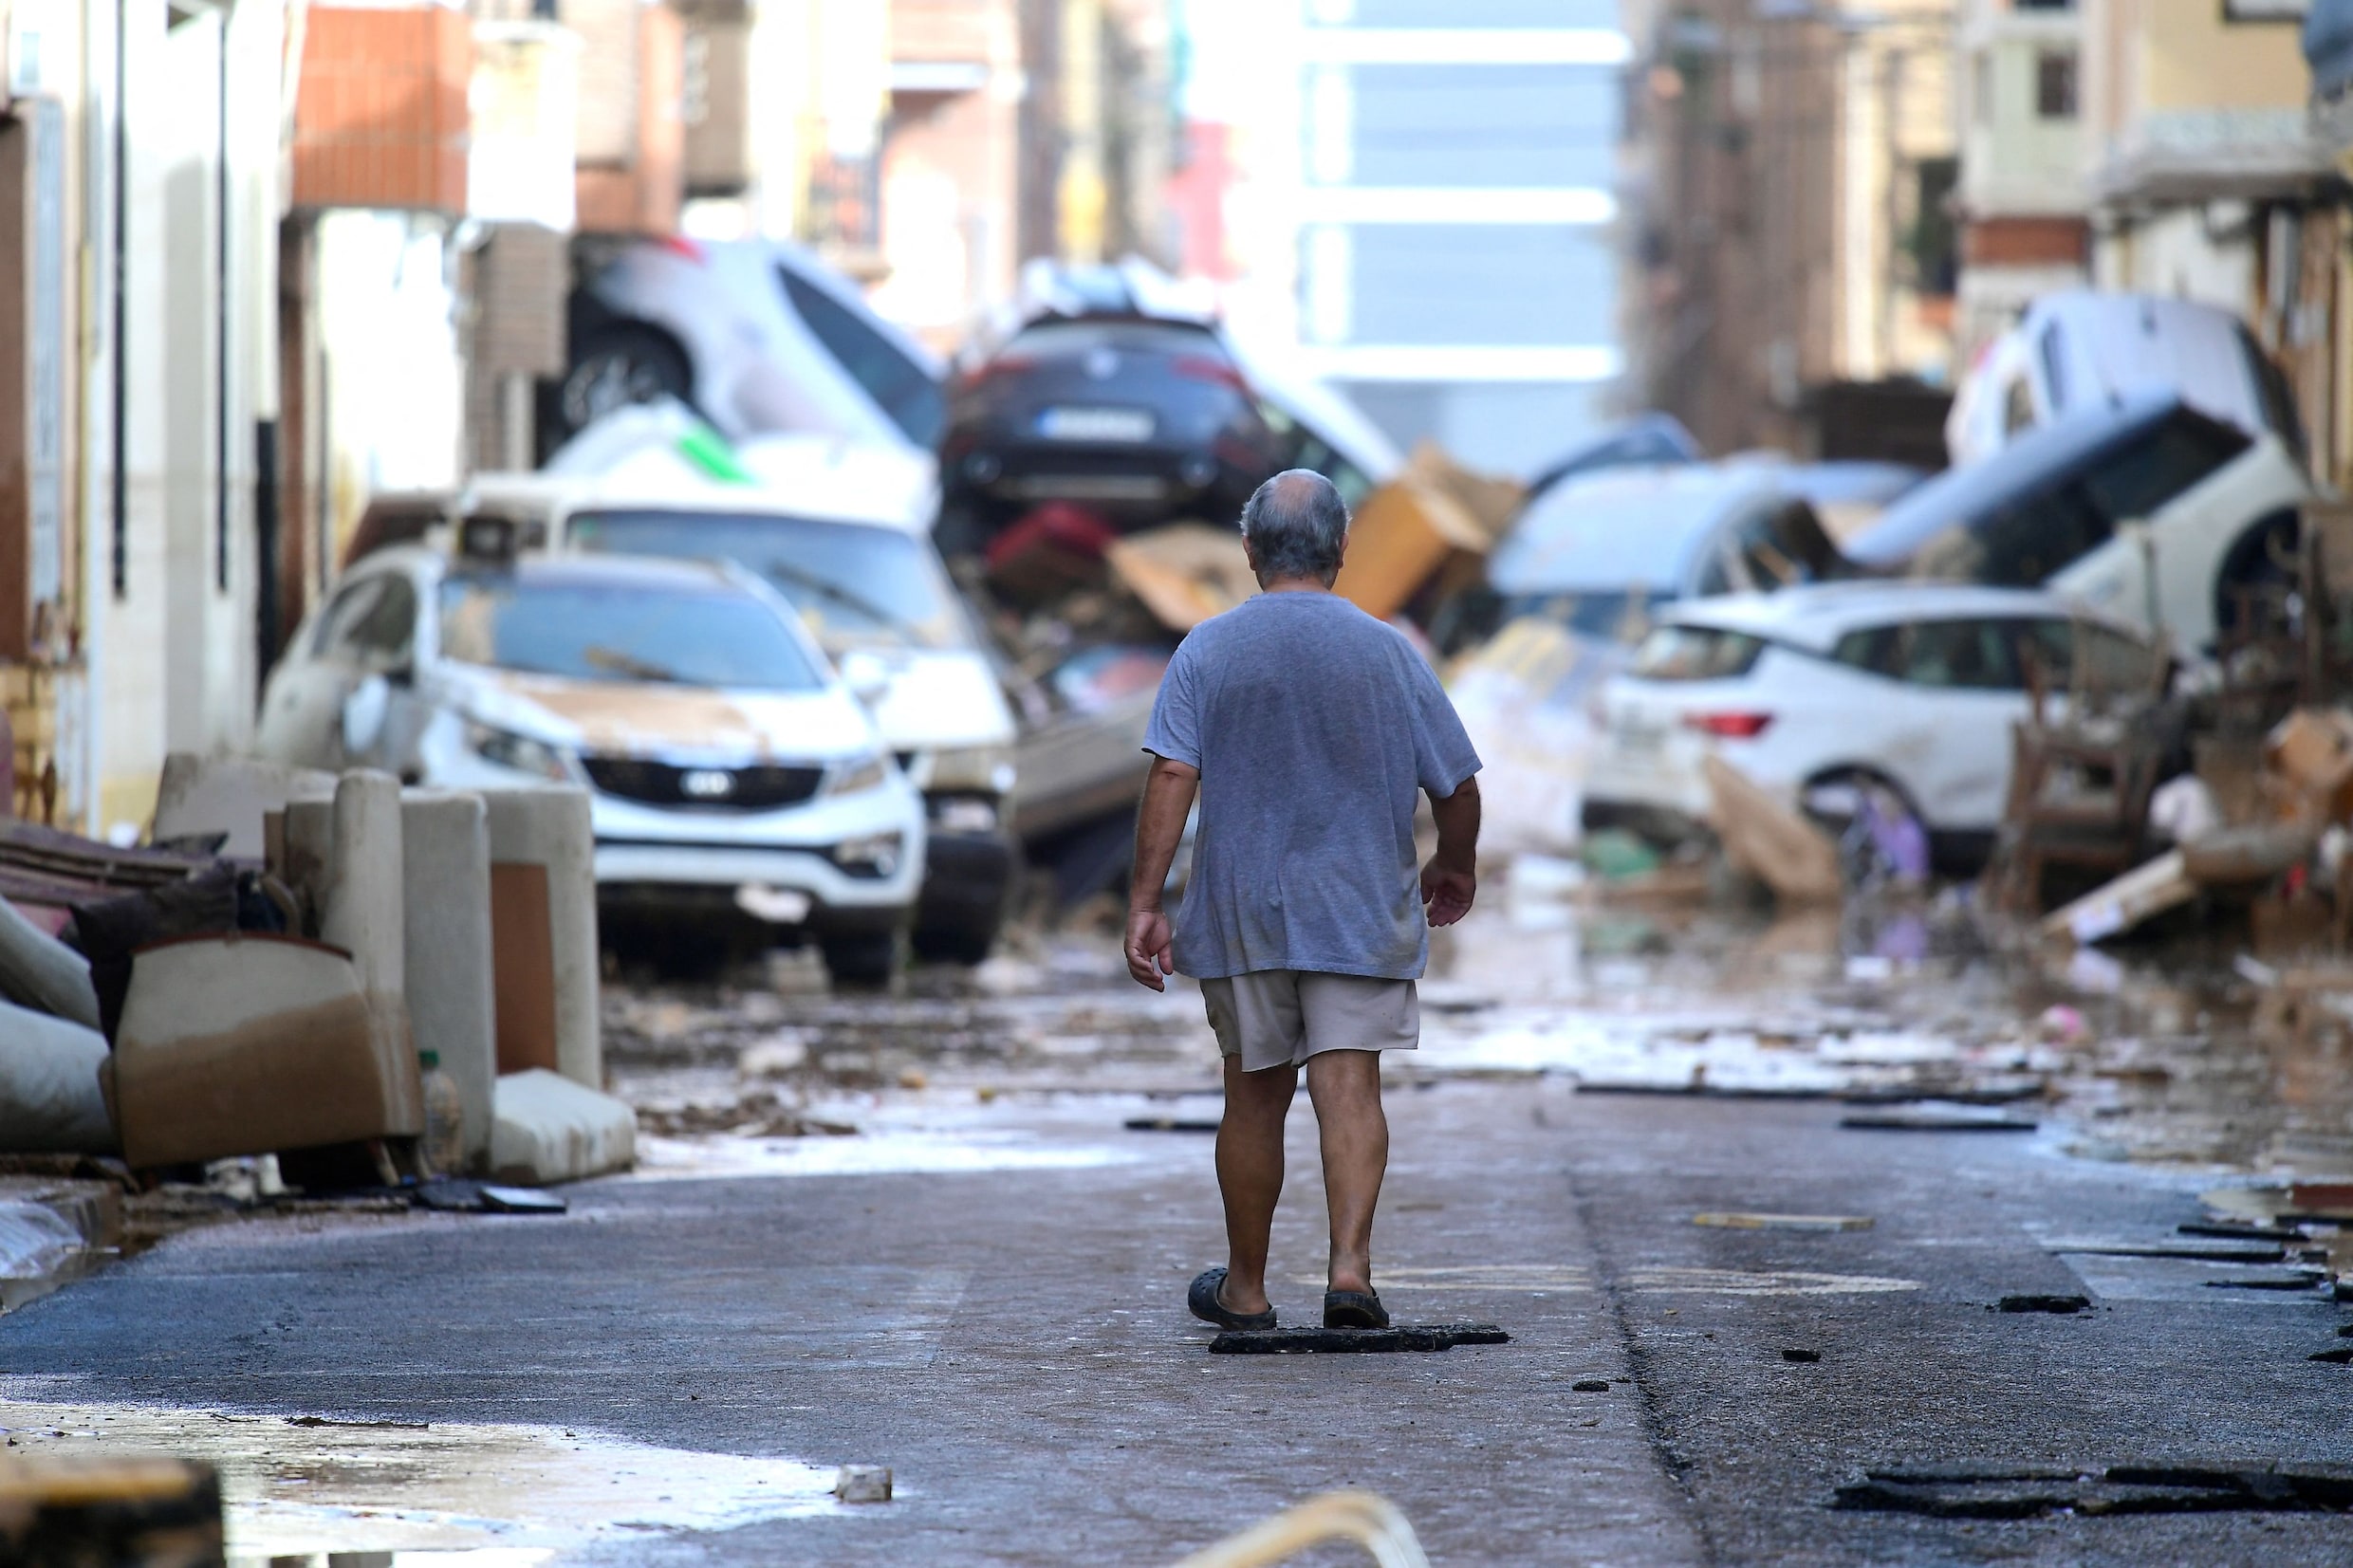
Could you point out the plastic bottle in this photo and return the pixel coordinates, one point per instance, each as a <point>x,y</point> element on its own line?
<point>445,1117</point>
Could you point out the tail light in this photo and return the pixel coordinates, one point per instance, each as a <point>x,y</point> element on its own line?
<point>980,375</point>
<point>1204,367</point>
<point>1731,727</point>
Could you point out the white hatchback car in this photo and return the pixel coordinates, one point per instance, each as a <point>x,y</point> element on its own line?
<point>1913,687</point>
<point>728,767</point>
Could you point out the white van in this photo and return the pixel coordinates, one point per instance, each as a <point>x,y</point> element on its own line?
<point>2077,348</point>
<point>842,530</point>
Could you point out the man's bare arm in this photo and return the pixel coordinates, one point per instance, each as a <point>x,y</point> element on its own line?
<point>1451,880</point>
<point>1159,826</point>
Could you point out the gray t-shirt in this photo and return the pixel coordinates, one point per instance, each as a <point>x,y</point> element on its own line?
<point>1313,727</point>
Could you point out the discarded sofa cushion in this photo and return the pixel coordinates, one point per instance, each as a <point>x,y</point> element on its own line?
<point>39,972</point>
<point>212,902</point>
<point>50,1097</point>
<point>246,1044</point>
<point>549,1129</point>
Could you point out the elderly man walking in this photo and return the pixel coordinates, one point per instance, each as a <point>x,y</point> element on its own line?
<point>1308,728</point>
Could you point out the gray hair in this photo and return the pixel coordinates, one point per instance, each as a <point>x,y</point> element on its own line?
<point>1296,524</point>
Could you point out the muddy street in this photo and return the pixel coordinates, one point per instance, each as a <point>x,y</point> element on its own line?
<point>1813,1243</point>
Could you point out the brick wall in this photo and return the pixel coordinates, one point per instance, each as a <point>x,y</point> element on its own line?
<point>380,119</point>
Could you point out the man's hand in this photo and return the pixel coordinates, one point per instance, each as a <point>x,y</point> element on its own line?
<point>1446,893</point>
<point>1147,949</point>
<point>1451,880</point>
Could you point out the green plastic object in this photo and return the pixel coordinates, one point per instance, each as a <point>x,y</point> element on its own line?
<point>429,1060</point>
<point>1614,855</point>
<point>708,451</point>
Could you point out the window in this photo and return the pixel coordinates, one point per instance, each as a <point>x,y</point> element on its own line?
<point>1976,656</point>
<point>895,382</point>
<point>2020,545</point>
<point>855,586</point>
<point>2279,399</point>
<point>1694,653</point>
<point>370,624</point>
<point>2054,85</point>
<point>2067,653</point>
<point>2139,479</point>
<point>609,632</point>
<point>1936,239</point>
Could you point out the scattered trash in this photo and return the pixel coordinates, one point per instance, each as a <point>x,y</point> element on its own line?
<point>454,1195</point>
<point>1591,1385</point>
<point>1784,1222</point>
<point>2058,1305</point>
<point>550,1128</point>
<point>2009,1491</point>
<point>1300,1342</point>
<point>1169,1124</point>
<point>2302,1278</point>
<point>1769,840</point>
<point>2114,906</point>
<point>2205,1252</point>
<point>1369,1520</point>
<point>1801,1356</point>
<point>1956,1119</point>
<point>863,1483</point>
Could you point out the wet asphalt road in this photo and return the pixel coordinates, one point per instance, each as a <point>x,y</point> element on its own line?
<point>1012,1342</point>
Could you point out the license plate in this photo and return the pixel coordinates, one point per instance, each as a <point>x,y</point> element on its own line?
<point>1095,424</point>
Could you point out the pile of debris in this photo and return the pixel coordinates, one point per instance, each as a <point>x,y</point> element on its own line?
<point>363,984</point>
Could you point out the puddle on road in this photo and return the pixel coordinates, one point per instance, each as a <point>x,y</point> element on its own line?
<point>498,1494</point>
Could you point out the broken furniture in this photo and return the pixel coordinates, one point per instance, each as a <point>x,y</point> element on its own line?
<point>549,1129</point>
<point>251,1044</point>
<point>49,1096</point>
<point>2084,764</point>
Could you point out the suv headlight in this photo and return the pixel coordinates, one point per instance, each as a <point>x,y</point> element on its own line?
<point>870,855</point>
<point>972,770</point>
<point>854,775</point>
<point>520,752</point>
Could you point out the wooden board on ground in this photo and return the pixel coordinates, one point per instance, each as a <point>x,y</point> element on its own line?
<point>1771,841</point>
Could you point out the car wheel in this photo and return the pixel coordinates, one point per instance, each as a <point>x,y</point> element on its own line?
<point>621,366</point>
<point>959,944</point>
<point>865,960</point>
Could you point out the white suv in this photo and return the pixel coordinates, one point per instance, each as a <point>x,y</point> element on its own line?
<point>729,768</point>
<point>1911,687</point>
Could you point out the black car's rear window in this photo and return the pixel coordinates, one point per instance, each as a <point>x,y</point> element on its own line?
<point>1695,653</point>
<point>1063,339</point>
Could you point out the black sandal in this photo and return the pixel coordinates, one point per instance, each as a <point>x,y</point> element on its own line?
<point>1354,1309</point>
<point>1202,1300</point>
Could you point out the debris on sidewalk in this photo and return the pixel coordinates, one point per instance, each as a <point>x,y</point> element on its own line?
<point>1783,1221</point>
<point>50,1100</point>
<point>42,974</point>
<point>143,1512</point>
<point>2139,894</point>
<point>1771,841</point>
<point>1307,1341</point>
<point>863,1483</point>
<point>550,1128</point>
<point>250,1044</point>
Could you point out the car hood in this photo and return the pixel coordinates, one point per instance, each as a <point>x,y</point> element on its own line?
<point>937,700</point>
<point>627,719</point>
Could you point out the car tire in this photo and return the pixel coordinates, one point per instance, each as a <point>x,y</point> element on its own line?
<point>865,959</point>
<point>956,944</point>
<point>618,366</point>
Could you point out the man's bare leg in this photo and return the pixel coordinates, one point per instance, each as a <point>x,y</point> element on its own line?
<point>1250,1175</point>
<point>1345,1087</point>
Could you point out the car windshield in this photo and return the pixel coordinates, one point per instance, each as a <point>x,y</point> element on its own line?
<point>856,586</point>
<point>623,631</point>
<point>1611,534</point>
<point>1059,338</point>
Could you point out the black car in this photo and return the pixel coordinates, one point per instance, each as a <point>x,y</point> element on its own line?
<point>1135,418</point>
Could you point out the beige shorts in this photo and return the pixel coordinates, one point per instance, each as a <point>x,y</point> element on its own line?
<point>1276,1018</point>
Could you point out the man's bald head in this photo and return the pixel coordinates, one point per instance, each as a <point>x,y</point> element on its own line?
<point>1296,524</point>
